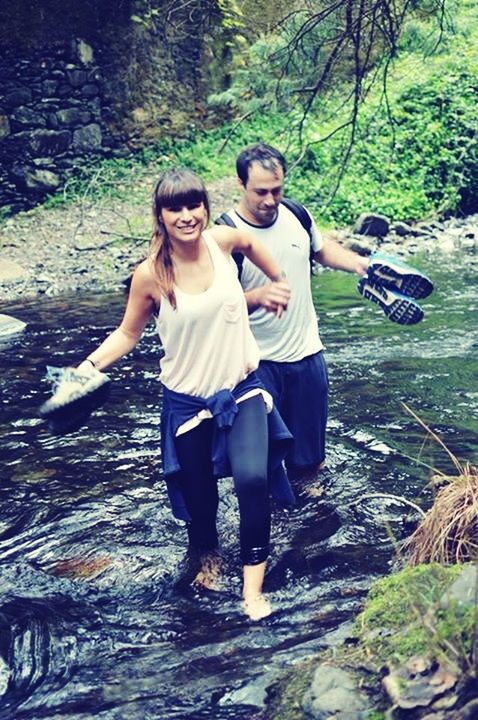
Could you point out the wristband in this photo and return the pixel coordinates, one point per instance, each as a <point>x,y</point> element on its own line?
<point>91,361</point>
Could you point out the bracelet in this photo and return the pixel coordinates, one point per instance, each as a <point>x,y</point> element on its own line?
<point>91,361</point>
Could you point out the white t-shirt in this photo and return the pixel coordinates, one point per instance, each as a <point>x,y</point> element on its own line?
<point>295,335</point>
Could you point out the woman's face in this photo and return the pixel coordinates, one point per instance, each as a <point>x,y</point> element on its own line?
<point>184,223</point>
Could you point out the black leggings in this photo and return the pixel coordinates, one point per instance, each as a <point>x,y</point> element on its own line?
<point>247,449</point>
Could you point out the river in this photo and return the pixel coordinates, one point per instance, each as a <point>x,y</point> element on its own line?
<point>98,617</point>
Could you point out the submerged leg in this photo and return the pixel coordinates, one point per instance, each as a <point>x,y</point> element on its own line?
<point>199,486</point>
<point>248,453</point>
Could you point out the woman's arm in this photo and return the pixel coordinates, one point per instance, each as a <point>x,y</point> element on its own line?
<point>273,296</point>
<point>137,313</point>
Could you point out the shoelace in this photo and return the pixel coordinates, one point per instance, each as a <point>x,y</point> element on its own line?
<point>57,375</point>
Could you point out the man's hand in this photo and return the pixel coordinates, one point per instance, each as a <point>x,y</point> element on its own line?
<point>273,296</point>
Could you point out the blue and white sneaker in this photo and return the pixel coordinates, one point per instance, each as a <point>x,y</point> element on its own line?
<point>397,275</point>
<point>76,393</point>
<point>397,307</point>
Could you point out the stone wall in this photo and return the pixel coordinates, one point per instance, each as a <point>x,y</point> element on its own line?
<point>66,97</point>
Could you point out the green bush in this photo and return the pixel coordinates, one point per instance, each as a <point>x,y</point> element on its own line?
<point>411,160</point>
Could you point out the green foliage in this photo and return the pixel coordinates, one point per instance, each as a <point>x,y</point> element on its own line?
<point>404,616</point>
<point>232,16</point>
<point>420,160</point>
<point>412,159</point>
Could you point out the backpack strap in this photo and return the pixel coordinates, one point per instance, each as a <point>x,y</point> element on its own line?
<point>301,214</point>
<point>296,209</point>
<point>305,220</point>
<point>238,257</point>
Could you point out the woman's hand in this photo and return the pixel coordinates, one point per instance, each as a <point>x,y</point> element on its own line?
<point>273,296</point>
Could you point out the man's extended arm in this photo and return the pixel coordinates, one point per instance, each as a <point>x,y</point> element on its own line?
<point>335,256</point>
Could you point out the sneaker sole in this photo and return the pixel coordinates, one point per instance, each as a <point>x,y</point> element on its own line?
<point>396,276</point>
<point>400,310</point>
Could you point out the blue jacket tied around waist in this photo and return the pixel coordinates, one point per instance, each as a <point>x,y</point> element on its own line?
<point>178,408</point>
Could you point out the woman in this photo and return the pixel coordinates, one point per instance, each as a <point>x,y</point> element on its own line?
<point>217,418</point>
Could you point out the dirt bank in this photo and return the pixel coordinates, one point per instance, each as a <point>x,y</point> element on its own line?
<point>86,245</point>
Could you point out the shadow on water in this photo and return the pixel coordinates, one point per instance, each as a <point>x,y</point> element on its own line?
<point>97,614</point>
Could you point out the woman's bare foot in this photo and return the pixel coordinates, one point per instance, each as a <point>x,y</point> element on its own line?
<point>209,576</point>
<point>257,607</point>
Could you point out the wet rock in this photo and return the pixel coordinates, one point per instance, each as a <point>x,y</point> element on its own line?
<point>372,224</point>
<point>364,244</point>
<point>334,693</point>
<point>81,567</point>
<point>402,229</point>
<point>10,326</point>
<point>463,590</point>
<point>419,682</point>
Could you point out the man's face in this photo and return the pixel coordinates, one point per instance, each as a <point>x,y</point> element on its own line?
<point>262,193</point>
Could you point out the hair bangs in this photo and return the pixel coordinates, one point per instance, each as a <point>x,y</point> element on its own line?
<point>178,188</point>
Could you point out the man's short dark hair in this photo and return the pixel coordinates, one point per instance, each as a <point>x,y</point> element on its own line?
<point>266,155</point>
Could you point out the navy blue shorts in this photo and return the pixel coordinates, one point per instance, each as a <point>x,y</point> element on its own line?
<point>300,393</point>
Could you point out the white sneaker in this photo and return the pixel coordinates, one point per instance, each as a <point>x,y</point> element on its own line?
<point>70,384</point>
<point>398,275</point>
<point>75,393</point>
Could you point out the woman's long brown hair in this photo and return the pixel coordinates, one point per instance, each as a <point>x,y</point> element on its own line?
<point>177,187</point>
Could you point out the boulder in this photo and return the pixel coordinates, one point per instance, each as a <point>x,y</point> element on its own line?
<point>334,693</point>
<point>372,224</point>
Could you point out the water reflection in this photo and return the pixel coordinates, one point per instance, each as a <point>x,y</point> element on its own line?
<point>97,614</point>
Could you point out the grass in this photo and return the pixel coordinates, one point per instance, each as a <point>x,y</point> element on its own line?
<point>448,533</point>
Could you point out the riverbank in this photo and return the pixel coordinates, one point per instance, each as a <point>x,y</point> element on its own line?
<point>92,245</point>
<point>87,245</point>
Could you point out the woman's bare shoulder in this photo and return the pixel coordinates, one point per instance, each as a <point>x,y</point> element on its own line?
<point>144,271</point>
<point>144,280</point>
<point>224,235</point>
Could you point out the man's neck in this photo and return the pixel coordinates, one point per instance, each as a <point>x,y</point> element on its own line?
<point>245,214</point>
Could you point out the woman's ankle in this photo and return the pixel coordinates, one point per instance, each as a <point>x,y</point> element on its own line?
<point>253,579</point>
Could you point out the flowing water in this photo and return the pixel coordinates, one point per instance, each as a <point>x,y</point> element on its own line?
<point>98,617</point>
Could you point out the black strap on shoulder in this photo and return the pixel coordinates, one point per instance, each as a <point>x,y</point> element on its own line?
<point>301,214</point>
<point>305,220</point>
<point>225,219</point>
<point>238,257</point>
<point>296,209</point>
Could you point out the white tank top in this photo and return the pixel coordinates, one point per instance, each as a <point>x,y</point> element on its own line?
<point>207,341</point>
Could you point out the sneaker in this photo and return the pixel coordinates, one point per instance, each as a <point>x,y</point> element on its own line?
<point>397,275</point>
<point>76,393</point>
<point>397,307</point>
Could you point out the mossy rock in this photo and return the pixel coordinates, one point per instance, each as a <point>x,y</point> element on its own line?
<point>404,616</point>
<point>407,614</point>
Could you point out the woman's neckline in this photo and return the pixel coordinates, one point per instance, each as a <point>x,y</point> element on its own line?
<point>202,292</point>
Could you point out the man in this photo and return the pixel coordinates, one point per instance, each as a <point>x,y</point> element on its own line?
<point>292,365</point>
